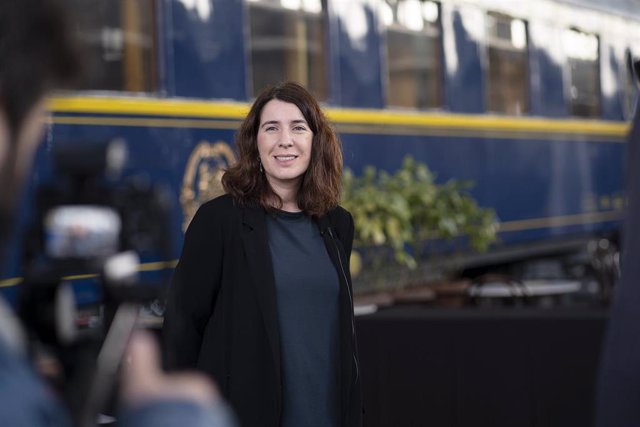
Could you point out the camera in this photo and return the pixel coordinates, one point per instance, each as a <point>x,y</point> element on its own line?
<point>94,223</point>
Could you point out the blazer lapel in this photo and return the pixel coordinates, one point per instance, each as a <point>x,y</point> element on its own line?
<point>256,245</point>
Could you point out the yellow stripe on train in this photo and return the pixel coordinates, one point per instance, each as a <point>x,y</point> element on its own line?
<point>353,120</point>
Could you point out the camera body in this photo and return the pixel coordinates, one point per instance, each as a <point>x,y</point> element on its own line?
<point>94,223</point>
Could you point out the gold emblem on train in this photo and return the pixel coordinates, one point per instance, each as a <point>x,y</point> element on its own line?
<point>202,176</point>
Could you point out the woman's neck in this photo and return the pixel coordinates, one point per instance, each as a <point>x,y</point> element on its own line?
<point>289,196</point>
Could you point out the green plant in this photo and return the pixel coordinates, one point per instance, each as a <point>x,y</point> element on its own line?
<point>407,208</point>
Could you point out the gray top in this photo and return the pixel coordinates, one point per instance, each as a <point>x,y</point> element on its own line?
<point>307,288</point>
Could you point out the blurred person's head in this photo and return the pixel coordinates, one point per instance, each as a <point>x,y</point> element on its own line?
<point>36,56</point>
<point>316,170</point>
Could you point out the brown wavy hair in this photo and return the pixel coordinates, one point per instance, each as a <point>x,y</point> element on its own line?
<point>321,183</point>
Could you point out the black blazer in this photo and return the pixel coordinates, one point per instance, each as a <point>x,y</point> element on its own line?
<point>221,315</point>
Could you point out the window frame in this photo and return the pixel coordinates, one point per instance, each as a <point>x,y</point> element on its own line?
<point>323,94</point>
<point>432,33</point>
<point>501,45</point>
<point>140,69</point>
<point>569,76</point>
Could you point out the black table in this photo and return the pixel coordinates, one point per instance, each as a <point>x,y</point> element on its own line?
<point>479,367</point>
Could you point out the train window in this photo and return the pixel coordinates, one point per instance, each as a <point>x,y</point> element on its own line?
<point>413,53</point>
<point>119,44</point>
<point>507,65</point>
<point>583,60</point>
<point>287,39</point>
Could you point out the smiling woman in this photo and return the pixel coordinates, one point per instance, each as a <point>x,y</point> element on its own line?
<point>261,299</point>
<point>284,143</point>
<point>286,120</point>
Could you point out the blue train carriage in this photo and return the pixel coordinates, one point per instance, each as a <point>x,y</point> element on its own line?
<point>528,100</point>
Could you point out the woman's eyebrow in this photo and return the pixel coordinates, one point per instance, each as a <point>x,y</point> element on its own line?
<point>270,122</point>
<point>277,122</point>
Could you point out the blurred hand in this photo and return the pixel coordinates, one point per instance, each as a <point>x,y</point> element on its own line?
<point>143,379</point>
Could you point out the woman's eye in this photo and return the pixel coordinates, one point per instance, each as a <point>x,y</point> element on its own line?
<point>270,128</point>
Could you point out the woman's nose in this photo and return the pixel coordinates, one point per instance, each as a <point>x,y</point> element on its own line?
<point>286,139</point>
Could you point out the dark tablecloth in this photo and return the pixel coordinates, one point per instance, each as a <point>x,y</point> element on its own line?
<point>478,367</point>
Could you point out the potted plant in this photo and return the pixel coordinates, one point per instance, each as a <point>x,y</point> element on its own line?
<point>399,214</point>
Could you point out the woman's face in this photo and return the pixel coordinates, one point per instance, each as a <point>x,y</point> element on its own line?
<point>284,144</point>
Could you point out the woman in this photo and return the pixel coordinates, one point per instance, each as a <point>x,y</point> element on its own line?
<point>261,298</point>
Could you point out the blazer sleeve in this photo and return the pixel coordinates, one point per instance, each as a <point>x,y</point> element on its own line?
<point>193,290</point>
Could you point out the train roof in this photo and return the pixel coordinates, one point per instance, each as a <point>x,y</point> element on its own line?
<point>625,8</point>
<point>620,18</point>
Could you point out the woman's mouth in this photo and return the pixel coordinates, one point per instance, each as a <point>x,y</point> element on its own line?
<point>285,158</point>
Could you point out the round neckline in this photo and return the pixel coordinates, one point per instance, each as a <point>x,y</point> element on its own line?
<point>289,215</point>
